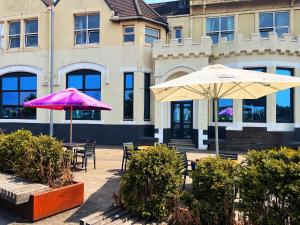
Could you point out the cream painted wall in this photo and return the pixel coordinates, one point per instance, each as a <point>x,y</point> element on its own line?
<point>248,29</point>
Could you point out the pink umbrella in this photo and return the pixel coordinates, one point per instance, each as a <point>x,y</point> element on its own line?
<point>70,99</point>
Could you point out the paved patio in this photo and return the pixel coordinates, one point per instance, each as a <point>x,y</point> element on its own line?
<point>99,187</point>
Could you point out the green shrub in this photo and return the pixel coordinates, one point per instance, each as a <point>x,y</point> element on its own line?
<point>152,182</point>
<point>39,159</point>
<point>213,191</point>
<point>270,187</point>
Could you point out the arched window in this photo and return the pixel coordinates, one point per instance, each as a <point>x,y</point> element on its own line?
<point>89,82</point>
<point>16,89</point>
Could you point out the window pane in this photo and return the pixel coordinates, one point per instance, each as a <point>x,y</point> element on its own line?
<point>31,26</point>
<point>14,28</point>
<point>282,19</point>
<point>93,21</point>
<point>225,110</point>
<point>152,32</point>
<point>94,37</point>
<point>178,33</point>
<point>147,96</point>
<point>14,42</point>
<point>32,41</point>
<point>214,38</point>
<point>128,29</point>
<point>27,96</point>
<point>264,34</point>
<point>227,23</point>
<point>282,31</point>
<point>9,83</point>
<point>129,38</point>
<point>75,81</point>
<point>80,37</point>
<point>84,115</point>
<point>266,20</point>
<point>228,35</point>
<point>92,82</point>
<point>128,105</point>
<point>27,113</point>
<point>212,24</point>
<point>28,83</point>
<point>128,81</point>
<point>149,39</point>
<point>10,112</point>
<point>284,101</point>
<point>10,98</point>
<point>80,22</point>
<point>94,94</point>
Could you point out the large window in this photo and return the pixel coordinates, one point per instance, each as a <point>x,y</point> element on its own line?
<point>178,33</point>
<point>147,98</point>
<point>278,22</point>
<point>225,110</point>
<point>16,89</point>
<point>128,34</point>
<point>151,35</point>
<point>285,100</point>
<point>89,82</point>
<point>1,35</point>
<point>31,33</point>
<point>128,96</point>
<point>15,34</point>
<point>87,29</point>
<point>219,27</point>
<point>254,110</point>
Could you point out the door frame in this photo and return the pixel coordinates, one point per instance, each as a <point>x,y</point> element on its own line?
<point>181,116</point>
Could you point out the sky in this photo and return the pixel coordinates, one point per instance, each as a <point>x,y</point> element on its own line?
<point>155,1</point>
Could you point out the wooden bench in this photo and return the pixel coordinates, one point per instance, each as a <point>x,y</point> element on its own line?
<point>231,156</point>
<point>17,190</point>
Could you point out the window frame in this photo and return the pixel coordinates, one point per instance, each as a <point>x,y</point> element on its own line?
<point>124,95</point>
<point>17,75</point>
<point>220,31</point>
<point>147,97</point>
<point>154,29</point>
<point>32,34</point>
<point>15,36</point>
<point>2,34</point>
<point>129,33</point>
<point>181,33</point>
<point>83,73</point>
<point>274,28</point>
<point>87,30</point>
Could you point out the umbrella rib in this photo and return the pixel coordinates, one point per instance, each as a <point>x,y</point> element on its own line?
<point>268,85</point>
<point>236,85</point>
<point>220,89</point>
<point>196,91</point>
<point>207,93</point>
<point>169,94</point>
<point>244,89</point>
<point>228,91</point>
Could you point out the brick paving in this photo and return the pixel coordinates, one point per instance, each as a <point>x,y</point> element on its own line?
<point>99,187</point>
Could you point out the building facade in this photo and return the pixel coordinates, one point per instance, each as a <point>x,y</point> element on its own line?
<point>115,50</point>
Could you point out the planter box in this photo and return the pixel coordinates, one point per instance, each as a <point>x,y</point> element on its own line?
<point>49,203</point>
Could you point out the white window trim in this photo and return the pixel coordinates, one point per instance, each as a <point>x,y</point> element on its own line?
<point>181,33</point>
<point>128,33</point>
<point>15,35</point>
<point>2,27</point>
<point>273,28</point>
<point>87,30</point>
<point>220,31</point>
<point>31,34</point>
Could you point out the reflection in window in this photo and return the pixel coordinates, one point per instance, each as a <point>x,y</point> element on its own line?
<point>278,22</point>
<point>16,89</point>
<point>15,34</point>
<point>31,33</point>
<point>87,29</point>
<point>225,110</point>
<point>220,27</point>
<point>285,100</point>
<point>151,35</point>
<point>128,96</point>
<point>147,104</point>
<point>89,82</point>
<point>254,110</point>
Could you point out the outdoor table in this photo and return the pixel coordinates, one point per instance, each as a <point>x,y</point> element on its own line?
<point>73,146</point>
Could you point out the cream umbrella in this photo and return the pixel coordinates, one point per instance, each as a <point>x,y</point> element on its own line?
<point>220,82</point>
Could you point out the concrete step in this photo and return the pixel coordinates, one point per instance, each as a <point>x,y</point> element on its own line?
<point>181,140</point>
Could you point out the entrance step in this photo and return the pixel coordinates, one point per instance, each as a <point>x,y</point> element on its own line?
<point>182,144</point>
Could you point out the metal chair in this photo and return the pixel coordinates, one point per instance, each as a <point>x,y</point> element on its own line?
<point>88,152</point>
<point>184,164</point>
<point>126,155</point>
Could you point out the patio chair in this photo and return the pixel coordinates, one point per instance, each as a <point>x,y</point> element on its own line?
<point>88,152</point>
<point>126,155</point>
<point>184,169</point>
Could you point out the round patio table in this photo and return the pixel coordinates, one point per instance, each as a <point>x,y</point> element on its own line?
<point>73,146</point>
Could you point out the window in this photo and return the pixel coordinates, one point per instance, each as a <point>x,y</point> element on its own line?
<point>254,110</point>
<point>285,100</point>
<point>178,33</point>
<point>128,34</point>
<point>87,29</point>
<point>1,35</point>
<point>14,34</point>
<point>89,82</point>
<point>278,22</point>
<point>220,27</point>
<point>128,96</point>
<point>147,99</point>
<point>225,110</point>
<point>31,33</point>
<point>16,89</point>
<point>151,35</point>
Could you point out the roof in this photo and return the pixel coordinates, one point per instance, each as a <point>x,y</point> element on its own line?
<point>134,9</point>
<point>48,2</point>
<point>179,7</point>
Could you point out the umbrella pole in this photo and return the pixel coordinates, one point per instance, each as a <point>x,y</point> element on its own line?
<point>71,124</point>
<point>216,126</point>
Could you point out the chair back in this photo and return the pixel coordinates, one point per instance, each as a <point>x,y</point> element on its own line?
<point>126,147</point>
<point>184,161</point>
<point>90,149</point>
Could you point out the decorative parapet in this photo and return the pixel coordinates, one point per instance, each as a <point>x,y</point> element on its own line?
<point>288,44</point>
<point>186,48</point>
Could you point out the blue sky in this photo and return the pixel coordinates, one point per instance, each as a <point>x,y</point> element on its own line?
<point>155,1</point>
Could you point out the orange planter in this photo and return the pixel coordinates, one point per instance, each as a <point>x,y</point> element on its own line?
<point>49,203</point>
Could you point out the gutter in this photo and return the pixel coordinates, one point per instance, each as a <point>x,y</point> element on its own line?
<point>51,61</point>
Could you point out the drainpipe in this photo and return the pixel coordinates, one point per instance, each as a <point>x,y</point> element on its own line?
<point>51,60</point>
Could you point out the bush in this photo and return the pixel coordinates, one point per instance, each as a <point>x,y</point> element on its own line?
<point>39,159</point>
<point>213,191</point>
<point>152,182</point>
<point>270,187</point>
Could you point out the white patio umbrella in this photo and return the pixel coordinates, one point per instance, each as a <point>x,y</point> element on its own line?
<point>221,82</point>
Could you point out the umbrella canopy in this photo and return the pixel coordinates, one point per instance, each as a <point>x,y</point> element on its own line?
<point>70,99</point>
<point>218,81</point>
